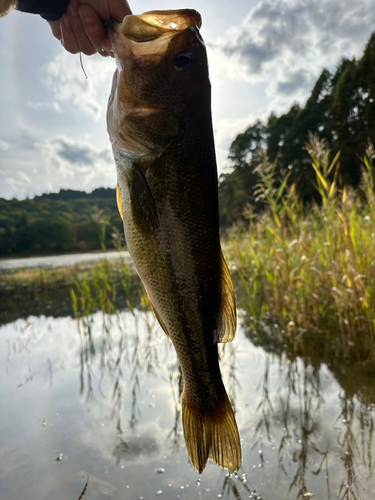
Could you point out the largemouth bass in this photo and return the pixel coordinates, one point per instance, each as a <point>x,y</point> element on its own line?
<point>159,123</point>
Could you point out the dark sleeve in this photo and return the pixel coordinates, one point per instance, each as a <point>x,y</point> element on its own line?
<point>51,10</point>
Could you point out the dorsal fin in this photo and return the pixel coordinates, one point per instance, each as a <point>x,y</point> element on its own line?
<point>226,321</point>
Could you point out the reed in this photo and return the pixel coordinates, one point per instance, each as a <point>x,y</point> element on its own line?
<point>305,275</point>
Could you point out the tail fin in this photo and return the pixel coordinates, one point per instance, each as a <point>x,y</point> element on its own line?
<point>211,436</point>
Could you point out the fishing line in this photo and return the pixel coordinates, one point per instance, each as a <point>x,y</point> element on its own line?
<point>80,57</point>
<point>83,69</point>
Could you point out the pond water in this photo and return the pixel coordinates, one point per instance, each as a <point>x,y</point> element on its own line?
<point>50,261</point>
<point>99,399</point>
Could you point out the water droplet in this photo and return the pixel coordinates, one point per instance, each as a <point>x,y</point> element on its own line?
<point>151,405</point>
<point>160,470</point>
<point>219,496</point>
<point>59,457</point>
<point>169,485</point>
<point>102,425</point>
<point>159,492</point>
<point>127,486</point>
<point>198,482</point>
<point>182,487</point>
<point>44,423</point>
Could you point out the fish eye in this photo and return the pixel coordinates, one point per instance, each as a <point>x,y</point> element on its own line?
<point>182,60</point>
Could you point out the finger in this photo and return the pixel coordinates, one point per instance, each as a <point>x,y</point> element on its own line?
<point>68,40</point>
<point>78,30</point>
<point>107,46</point>
<point>93,27</point>
<point>55,27</point>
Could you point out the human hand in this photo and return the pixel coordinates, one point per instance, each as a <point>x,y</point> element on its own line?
<point>81,28</point>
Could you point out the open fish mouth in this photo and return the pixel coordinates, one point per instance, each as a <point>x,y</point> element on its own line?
<point>145,38</point>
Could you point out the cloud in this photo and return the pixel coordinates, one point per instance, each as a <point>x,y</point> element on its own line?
<point>299,29</point>
<point>31,166</point>
<point>285,44</point>
<point>44,105</point>
<point>77,153</point>
<point>78,162</point>
<point>294,81</point>
<point>4,146</point>
<point>65,76</point>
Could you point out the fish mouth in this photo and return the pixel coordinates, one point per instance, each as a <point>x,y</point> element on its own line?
<point>145,38</point>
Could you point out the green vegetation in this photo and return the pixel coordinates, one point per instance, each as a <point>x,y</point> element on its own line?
<point>58,222</point>
<point>340,109</point>
<point>106,285</point>
<point>306,274</point>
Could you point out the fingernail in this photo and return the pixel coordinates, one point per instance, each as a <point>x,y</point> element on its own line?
<point>66,21</point>
<point>86,19</point>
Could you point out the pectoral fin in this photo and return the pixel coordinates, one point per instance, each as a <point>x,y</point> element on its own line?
<point>142,203</point>
<point>226,321</point>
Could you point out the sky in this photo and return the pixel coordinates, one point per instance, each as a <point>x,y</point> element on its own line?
<point>263,56</point>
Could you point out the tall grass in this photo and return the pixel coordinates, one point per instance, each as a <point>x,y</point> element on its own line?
<point>306,274</point>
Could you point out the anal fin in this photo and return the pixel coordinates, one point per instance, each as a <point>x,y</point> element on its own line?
<point>226,321</point>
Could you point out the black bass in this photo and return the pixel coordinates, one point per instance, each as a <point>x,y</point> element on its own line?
<point>159,123</point>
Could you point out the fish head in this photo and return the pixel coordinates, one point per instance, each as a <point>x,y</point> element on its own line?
<point>161,70</point>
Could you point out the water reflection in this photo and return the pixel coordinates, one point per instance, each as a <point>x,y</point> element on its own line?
<point>109,401</point>
<point>304,447</point>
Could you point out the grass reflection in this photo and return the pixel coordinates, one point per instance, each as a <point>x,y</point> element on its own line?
<point>305,448</point>
<point>289,414</point>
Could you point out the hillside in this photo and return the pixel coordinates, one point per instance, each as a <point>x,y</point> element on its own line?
<point>58,222</point>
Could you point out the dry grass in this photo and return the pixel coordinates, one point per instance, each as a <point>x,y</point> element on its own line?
<point>308,273</point>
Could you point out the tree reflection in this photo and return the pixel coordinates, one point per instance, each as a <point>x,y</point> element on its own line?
<point>303,449</point>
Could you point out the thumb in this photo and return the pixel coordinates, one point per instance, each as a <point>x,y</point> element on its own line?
<point>118,9</point>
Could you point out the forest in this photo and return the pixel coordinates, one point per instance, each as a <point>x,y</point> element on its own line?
<point>59,222</point>
<point>340,110</point>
